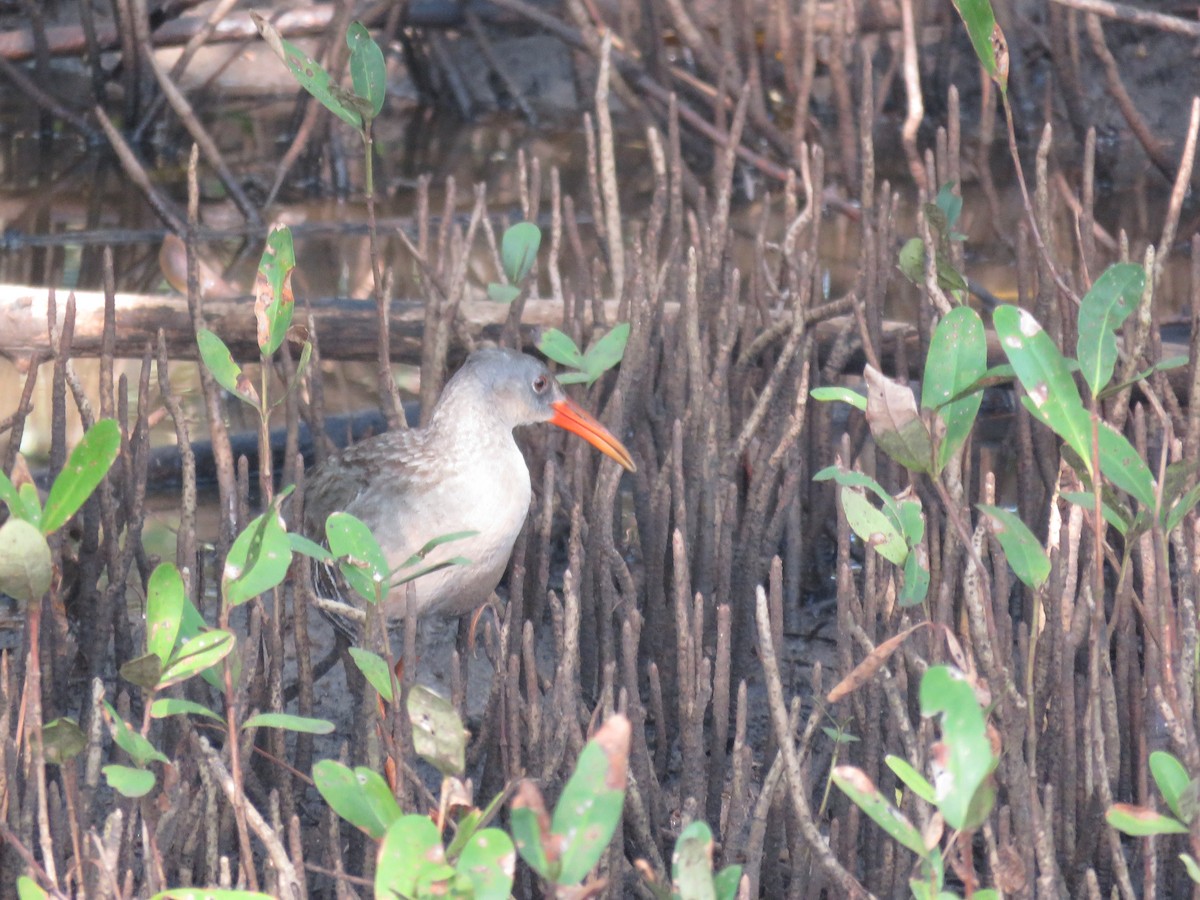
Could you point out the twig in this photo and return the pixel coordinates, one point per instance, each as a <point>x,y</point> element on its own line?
<point>1135,16</point>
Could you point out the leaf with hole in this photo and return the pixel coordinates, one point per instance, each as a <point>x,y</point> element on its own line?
<point>310,75</point>
<point>258,559</point>
<point>360,796</point>
<point>437,732</point>
<point>274,302</point>
<point>360,558</point>
<point>412,861</point>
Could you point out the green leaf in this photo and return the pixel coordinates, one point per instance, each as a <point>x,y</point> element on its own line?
<point>229,375</point>
<point>851,479</point>
<point>606,352</point>
<point>89,462</point>
<point>1052,397</point>
<point>28,889</point>
<point>1022,549</point>
<point>144,671</point>
<point>838,736</point>
<point>1115,515</point>
<point>874,528</point>
<point>502,293</point>
<point>1189,863</point>
<point>196,655</point>
<point>1172,780</point>
<point>309,74</point>
<point>289,722</point>
<point>62,741</point>
<point>164,610</point>
<point>986,38</point>
<point>488,862</point>
<point>140,750</point>
<point>438,734</point>
<point>128,781</point>
<point>363,564</point>
<point>957,359</point>
<point>949,203</point>
<point>26,567</point>
<point>518,250</point>
<point>910,778</point>
<point>855,784</point>
<point>559,347</point>
<point>592,800</point>
<point>176,706</point>
<point>844,394</point>
<point>274,303</point>
<point>1110,301</point>
<point>191,626</point>
<point>964,790</point>
<point>375,669</point>
<point>727,881</point>
<point>412,861</point>
<point>431,545</point>
<point>1185,505</point>
<point>530,825</point>
<point>1121,464</point>
<point>1139,821</point>
<point>691,863</point>
<point>916,580</point>
<point>17,505</point>
<point>258,559</point>
<point>360,796</point>
<point>912,261</point>
<point>368,70</point>
<point>300,544</point>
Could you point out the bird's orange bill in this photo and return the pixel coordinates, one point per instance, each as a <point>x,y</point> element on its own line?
<point>574,418</point>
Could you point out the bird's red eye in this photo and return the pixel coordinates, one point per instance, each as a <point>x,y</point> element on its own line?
<point>540,383</point>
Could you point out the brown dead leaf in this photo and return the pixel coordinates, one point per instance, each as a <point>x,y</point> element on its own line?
<point>865,670</point>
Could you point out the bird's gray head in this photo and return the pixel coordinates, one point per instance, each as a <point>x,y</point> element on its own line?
<point>512,386</point>
<point>511,389</point>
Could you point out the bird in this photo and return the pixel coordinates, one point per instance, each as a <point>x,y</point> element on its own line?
<point>462,472</point>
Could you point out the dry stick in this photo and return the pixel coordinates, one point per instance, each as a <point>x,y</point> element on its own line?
<point>1179,190</point>
<point>912,90</point>
<point>1135,16</point>
<point>137,174</point>
<point>47,102</point>
<point>608,172</point>
<point>1155,148</point>
<point>285,873</point>
<point>195,42</point>
<point>200,135</point>
<point>498,68</point>
<point>314,112</point>
<point>798,790</point>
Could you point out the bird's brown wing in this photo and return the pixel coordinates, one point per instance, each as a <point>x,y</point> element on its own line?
<point>390,462</point>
